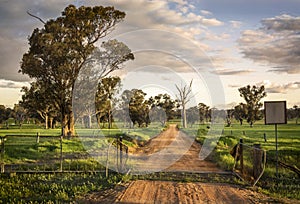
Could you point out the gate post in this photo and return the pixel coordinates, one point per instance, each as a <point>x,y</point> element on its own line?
<point>2,150</point>
<point>37,137</point>
<point>241,156</point>
<point>257,161</point>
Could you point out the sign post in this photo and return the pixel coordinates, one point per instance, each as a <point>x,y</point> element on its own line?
<point>275,113</point>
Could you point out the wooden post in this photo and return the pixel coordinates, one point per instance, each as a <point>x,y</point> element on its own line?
<point>2,150</point>
<point>276,141</point>
<point>241,156</point>
<point>117,149</point>
<point>265,137</point>
<point>37,137</point>
<point>61,155</point>
<point>257,161</point>
<point>121,153</point>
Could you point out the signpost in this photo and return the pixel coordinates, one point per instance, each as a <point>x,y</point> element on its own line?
<point>275,113</point>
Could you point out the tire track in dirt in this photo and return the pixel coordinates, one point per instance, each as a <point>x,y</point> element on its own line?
<point>172,192</point>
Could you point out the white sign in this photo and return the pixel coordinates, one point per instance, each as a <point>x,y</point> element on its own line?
<point>275,112</point>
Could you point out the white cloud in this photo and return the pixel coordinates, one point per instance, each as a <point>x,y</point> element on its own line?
<point>232,72</point>
<point>276,43</point>
<point>205,12</point>
<point>12,84</point>
<point>180,2</point>
<point>236,24</point>
<point>282,23</point>
<point>184,9</point>
<point>272,87</point>
<point>16,25</point>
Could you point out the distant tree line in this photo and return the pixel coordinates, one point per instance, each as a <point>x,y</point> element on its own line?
<point>134,108</point>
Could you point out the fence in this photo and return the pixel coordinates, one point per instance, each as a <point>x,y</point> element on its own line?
<point>250,162</point>
<point>37,153</point>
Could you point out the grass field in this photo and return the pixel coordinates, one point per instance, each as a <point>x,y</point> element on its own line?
<point>20,150</point>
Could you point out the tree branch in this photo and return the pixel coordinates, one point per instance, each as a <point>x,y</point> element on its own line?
<point>34,16</point>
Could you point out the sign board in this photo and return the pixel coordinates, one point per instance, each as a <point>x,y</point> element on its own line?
<point>275,112</point>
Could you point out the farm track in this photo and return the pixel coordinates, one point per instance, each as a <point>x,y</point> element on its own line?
<point>175,184</point>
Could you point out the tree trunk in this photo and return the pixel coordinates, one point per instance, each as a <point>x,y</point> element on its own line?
<point>51,122</point>
<point>46,121</point>
<point>109,120</point>
<point>89,121</point>
<point>184,117</point>
<point>71,124</point>
<point>64,126</point>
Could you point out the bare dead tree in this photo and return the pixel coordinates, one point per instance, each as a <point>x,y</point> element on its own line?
<point>183,98</point>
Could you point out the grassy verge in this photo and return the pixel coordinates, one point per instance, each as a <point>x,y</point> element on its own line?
<point>288,183</point>
<point>51,188</point>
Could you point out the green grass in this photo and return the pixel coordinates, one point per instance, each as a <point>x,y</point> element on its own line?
<point>288,140</point>
<point>21,146</point>
<point>52,188</point>
<point>287,185</point>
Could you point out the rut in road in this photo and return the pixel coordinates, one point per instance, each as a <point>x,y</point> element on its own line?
<point>173,192</point>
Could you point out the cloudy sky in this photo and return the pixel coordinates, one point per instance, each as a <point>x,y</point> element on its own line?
<point>221,45</point>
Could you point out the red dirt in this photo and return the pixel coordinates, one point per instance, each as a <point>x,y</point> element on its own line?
<point>172,150</point>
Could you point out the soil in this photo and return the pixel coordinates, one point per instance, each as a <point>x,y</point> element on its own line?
<point>143,191</point>
<point>172,150</point>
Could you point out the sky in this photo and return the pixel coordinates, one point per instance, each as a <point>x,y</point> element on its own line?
<point>219,45</point>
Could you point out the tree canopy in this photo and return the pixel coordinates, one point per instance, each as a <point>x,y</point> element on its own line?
<point>58,51</point>
<point>252,96</point>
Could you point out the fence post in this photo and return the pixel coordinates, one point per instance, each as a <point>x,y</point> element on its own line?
<point>2,150</point>
<point>257,161</point>
<point>61,155</point>
<point>37,137</point>
<point>241,156</point>
<point>121,153</point>
<point>265,137</point>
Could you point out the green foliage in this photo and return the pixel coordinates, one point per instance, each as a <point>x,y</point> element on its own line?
<point>139,108</point>
<point>165,108</point>
<point>59,50</point>
<point>252,96</point>
<point>104,99</point>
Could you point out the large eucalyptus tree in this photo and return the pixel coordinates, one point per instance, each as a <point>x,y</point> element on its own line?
<point>61,48</point>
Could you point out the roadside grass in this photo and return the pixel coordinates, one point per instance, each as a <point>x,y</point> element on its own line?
<point>288,183</point>
<point>21,146</point>
<point>52,188</point>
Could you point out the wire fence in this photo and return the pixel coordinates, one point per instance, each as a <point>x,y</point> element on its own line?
<point>40,153</point>
<point>250,162</point>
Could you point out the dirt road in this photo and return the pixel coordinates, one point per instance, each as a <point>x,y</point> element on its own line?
<point>174,192</point>
<point>172,150</point>
<point>143,191</point>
